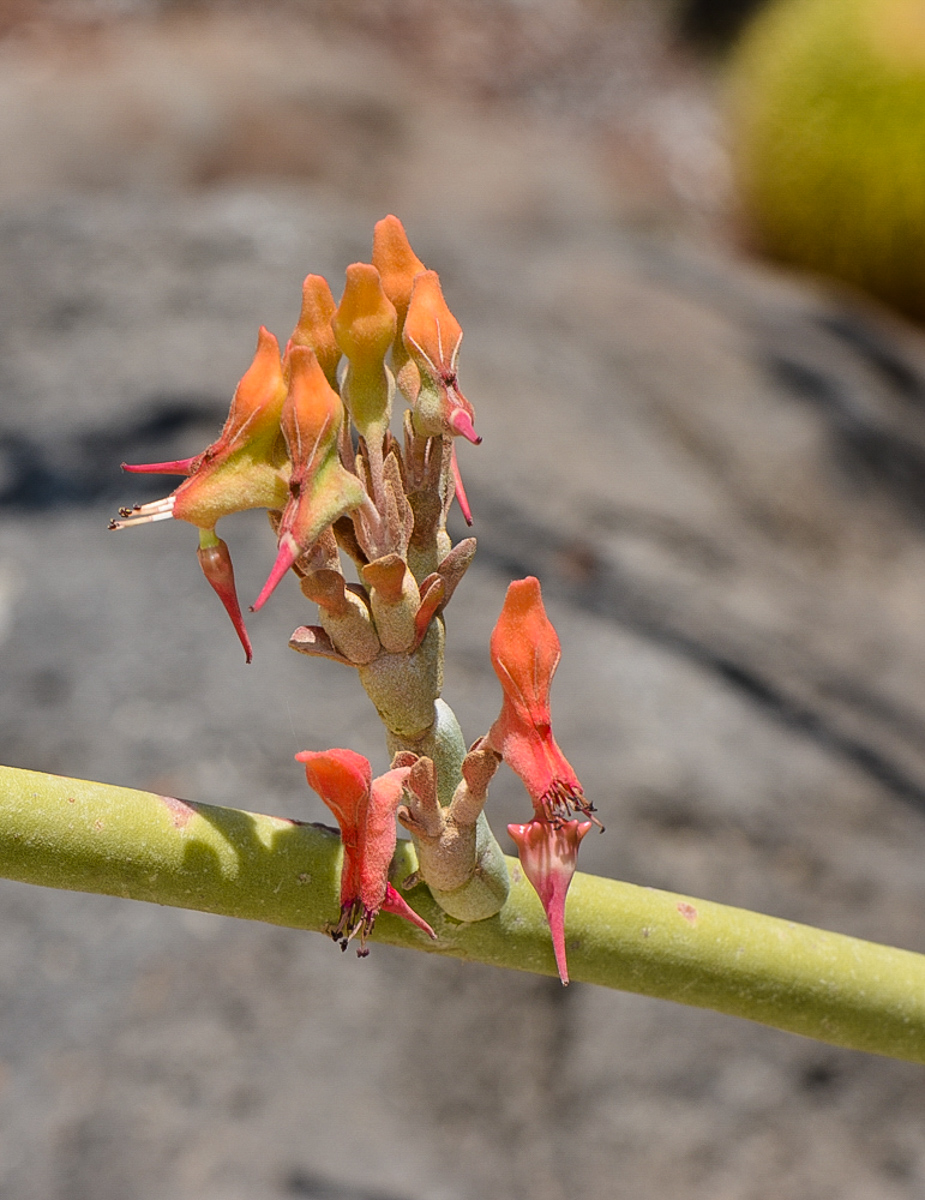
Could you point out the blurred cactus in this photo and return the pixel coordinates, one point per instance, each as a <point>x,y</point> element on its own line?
<point>828,112</point>
<point>713,22</point>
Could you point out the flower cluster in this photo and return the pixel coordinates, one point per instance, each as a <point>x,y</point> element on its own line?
<point>308,438</point>
<point>287,447</point>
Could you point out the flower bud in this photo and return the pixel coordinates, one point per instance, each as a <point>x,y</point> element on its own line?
<point>344,616</point>
<point>395,601</point>
<point>397,265</point>
<point>215,561</point>
<point>364,326</point>
<point>432,337</point>
<point>314,328</point>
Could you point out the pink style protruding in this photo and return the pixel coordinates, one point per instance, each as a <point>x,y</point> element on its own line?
<point>461,498</point>
<point>461,422</point>
<point>178,466</point>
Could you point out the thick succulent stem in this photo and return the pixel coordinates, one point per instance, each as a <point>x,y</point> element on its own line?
<point>486,890</point>
<point>93,837</point>
<point>405,689</point>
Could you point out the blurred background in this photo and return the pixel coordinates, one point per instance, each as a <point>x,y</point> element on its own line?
<point>685,243</point>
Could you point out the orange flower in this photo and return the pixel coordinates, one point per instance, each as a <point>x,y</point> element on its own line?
<point>314,327</point>
<point>525,652</point>
<point>548,854</point>
<point>397,264</point>
<point>320,488</point>
<point>242,469</point>
<point>365,810</point>
<point>432,337</point>
<point>245,468</point>
<point>364,326</point>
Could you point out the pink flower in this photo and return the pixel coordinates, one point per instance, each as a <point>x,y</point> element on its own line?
<point>548,854</point>
<point>365,810</point>
<point>525,653</point>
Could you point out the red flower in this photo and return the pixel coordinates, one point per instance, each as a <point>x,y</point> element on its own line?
<point>365,811</point>
<point>548,854</point>
<point>525,653</point>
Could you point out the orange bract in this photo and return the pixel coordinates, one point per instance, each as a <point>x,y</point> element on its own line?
<point>396,262</point>
<point>525,653</point>
<point>365,321</point>
<point>432,333</point>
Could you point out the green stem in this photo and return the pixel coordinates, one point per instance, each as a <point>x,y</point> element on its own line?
<point>93,837</point>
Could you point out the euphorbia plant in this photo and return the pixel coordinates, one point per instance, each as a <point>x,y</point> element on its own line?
<point>359,515</point>
<point>309,438</point>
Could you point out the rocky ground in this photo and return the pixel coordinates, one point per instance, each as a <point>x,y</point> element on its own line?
<point>716,470</point>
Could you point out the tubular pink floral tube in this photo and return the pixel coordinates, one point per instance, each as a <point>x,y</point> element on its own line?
<point>549,856</point>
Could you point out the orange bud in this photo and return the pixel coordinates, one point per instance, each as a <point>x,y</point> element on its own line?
<point>432,337</point>
<point>364,324</point>
<point>432,334</point>
<point>314,328</point>
<point>396,263</point>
